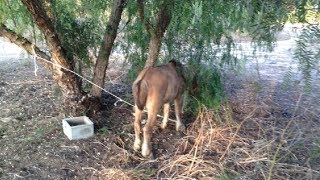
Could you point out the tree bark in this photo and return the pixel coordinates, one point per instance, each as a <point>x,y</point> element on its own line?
<point>154,49</point>
<point>67,81</point>
<point>25,44</point>
<point>157,32</point>
<point>106,46</point>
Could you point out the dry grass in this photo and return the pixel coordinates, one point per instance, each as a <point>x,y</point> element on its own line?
<point>214,147</point>
<point>252,149</point>
<point>113,174</point>
<point>255,137</point>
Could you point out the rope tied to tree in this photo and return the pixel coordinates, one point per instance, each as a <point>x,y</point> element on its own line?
<point>34,61</point>
<point>35,56</point>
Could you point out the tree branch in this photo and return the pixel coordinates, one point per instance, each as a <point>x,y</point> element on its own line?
<point>142,17</point>
<point>25,44</point>
<point>163,20</point>
<point>44,23</point>
<point>164,17</point>
<point>106,46</point>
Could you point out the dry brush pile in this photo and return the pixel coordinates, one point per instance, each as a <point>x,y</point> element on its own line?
<point>217,145</point>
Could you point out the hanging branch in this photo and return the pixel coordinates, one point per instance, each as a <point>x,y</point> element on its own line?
<point>142,17</point>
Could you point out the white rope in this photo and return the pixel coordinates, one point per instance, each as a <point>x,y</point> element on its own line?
<point>35,66</point>
<point>82,77</point>
<point>35,61</point>
<point>55,64</point>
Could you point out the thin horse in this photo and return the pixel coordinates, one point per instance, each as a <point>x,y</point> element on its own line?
<point>154,87</point>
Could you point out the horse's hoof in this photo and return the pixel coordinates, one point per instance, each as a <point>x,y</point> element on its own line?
<point>181,128</point>
<point>145,151</point>
<point>163,126</point>
<point>149,155</point>
<point>136,145</point>
<point>136,148</point>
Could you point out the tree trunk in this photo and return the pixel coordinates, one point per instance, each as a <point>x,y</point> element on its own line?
<point>163,21</point>
<point>106,47</point>
<point>154,49</point>
<point>68,83</point>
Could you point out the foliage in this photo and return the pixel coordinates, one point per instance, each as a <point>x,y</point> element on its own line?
<point>307,52</point>
<point>136,45</point>
<point>315,152</point>
<point>15,16</point>
<point>199,36</point>
<point>201,33</point>
<point>210,88</point>
<point>80,25</point>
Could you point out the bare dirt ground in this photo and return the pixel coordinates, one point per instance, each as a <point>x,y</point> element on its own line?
<point>33,146</point>
<point>268,129</point>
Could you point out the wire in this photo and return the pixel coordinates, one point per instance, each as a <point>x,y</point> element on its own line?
<point>82,77</point>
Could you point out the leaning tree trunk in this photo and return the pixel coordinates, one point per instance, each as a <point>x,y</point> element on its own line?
<point>68,83</point>
<point>157,33</point>
<point>25,44</point>
<point>154,49</point>
<point>106,47</point>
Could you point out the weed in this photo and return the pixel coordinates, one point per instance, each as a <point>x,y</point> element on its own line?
<point>210,91</point>
<point>144,173</point>
<point>103,130</point>
<point>35,138</point>
<point>56,92</point>
<point>225,176</point>
<point>136,66</point>
<point>257,86</point>
<point>315,152</point>
<point>2,131</point>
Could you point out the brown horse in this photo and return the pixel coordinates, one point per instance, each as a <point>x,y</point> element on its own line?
<point>154,87</point>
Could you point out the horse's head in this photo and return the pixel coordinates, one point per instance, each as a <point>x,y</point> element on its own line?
<point>191,85</point>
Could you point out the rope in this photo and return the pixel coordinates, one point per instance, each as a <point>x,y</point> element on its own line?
<point>35,66</point>
<point>92,83</point>
<point>35,61</point>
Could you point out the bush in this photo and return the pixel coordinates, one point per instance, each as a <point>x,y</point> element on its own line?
<point>209,87</point>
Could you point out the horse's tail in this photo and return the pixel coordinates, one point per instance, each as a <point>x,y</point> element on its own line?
<point>139,90</point>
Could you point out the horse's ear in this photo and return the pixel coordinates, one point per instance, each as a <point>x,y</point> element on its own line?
<point>195,86</point>
<point>173,62</point>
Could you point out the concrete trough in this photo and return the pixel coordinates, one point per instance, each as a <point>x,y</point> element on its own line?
<point>77,127</point>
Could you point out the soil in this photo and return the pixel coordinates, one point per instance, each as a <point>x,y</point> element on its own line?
<point>32,143</point>
<point>33,146</point>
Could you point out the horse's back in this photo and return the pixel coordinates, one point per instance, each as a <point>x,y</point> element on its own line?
<point>163,82</point>
<point>157,84</point>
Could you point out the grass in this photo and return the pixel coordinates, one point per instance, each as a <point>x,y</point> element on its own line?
<point>38,134</point>
<point>103,130</point>
<point>3,131</point>
<point>34,138</point>
<point>219,147</point>
<point>257,86</point>
<point>315,152</point>
<point>221,143</point>
<point>225,176</point>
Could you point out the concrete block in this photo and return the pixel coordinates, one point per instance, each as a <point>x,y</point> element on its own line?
<point>77,127</point>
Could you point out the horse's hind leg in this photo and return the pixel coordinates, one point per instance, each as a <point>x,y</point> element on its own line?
<point>166,110</point>
<point>137,128</point>
<point>178,108</point>
<point>152,108</point>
